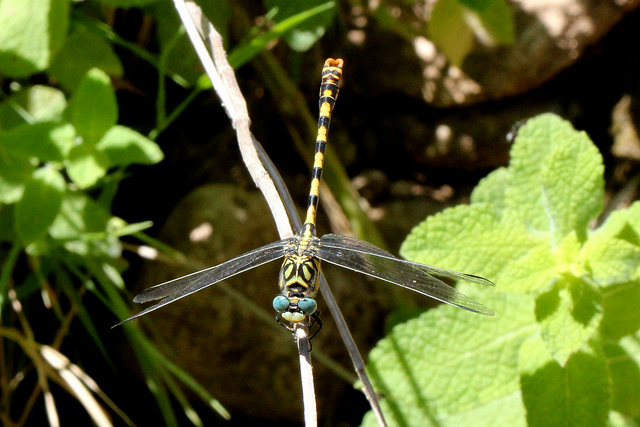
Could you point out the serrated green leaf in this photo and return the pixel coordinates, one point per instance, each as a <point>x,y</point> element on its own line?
<point>506,411</point>
<point>45,141</point>
<point>537,270</point>
<point>472,238</point>
<point>301,37</point>
<point>569,315</point>
<point>625,378</point>
<point>557,178</point>
<point>623,224</point>
<point>527,230</point>
<point>449,30</point>
<point>86,165</point>
<point>577,394</point>
<point>491,189</point>
<point>93,109</point>
<point>621,316</point>
<point>39,205</point>
<point>83,51</point>
<point>33,104</point>
<point>532,273</point>
<point>124,146</point>
<point>611,260</point>
<point>448,365</point>
<point>31,33</point>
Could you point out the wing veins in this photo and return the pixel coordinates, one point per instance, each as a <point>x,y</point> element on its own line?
<point>365,258</point>
<point>181,287</point>
<point>356,245</point>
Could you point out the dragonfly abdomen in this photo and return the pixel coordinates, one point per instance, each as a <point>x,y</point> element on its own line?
<point>331,74</point>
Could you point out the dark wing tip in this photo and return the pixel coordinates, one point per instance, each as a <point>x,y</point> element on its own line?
<point>478,280</point>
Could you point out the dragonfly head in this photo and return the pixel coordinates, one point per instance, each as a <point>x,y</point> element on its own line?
<point>294,309</point>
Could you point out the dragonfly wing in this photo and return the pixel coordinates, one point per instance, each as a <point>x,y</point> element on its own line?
<point>178,288</point>
<point>337,241</point>
<point>368,259</point>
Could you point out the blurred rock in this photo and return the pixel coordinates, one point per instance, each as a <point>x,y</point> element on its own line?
<point>550,35</point>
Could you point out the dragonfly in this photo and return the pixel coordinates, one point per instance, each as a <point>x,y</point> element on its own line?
<point>304,252</point>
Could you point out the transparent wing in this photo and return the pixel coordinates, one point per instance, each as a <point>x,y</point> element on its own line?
<point>363,257</point>
<point>178,288</point>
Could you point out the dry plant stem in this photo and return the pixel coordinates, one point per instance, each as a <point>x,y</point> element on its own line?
<point>225,84</point>
<point>306,369</point>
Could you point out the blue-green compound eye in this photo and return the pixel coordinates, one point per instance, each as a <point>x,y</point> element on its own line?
<point>280,303</point>
<point>307,306</point>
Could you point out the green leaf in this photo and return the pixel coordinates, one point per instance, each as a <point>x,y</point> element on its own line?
<point>625,376</point>
<point>178,53</point>
<point>248,49</point>
<point>308,31</point>
<point>557,180</point>
<point>527,229</point>
<point>86,165</point>
<point>478,5</point>
<point>124,146</point>
<point>93,110</point>
<point>127,3</point>
<point>448,365</point>
<point>82,227</point>
<point>45,141</point>
<point>118,227</point>
<point>449,30</point>
<point>219,13</point>
<point>622,224</point>
<point>83,51</point>
<point>455,24</point>
<point>31,33</point>
<point>577,394</point>
<point>491,189</point>
<point>33,104</point>
<point>15,171</point>
<point>495,24</point>
<point>533,272</point>
<point>569,315</point>
<point>473,239</point>
<point>621,318</point>
<point>536,271</point>
<point>40,204</point>
<point>507,411</point>
<point>7,231</point>
<point>611,260</point>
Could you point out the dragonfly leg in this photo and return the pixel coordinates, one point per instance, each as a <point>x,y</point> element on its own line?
<point>278,317</point>
<point>315,320</point>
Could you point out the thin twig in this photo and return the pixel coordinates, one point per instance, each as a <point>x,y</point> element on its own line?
<point>306,375</point>
<point>224,83</point>
<point>226,86</point>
